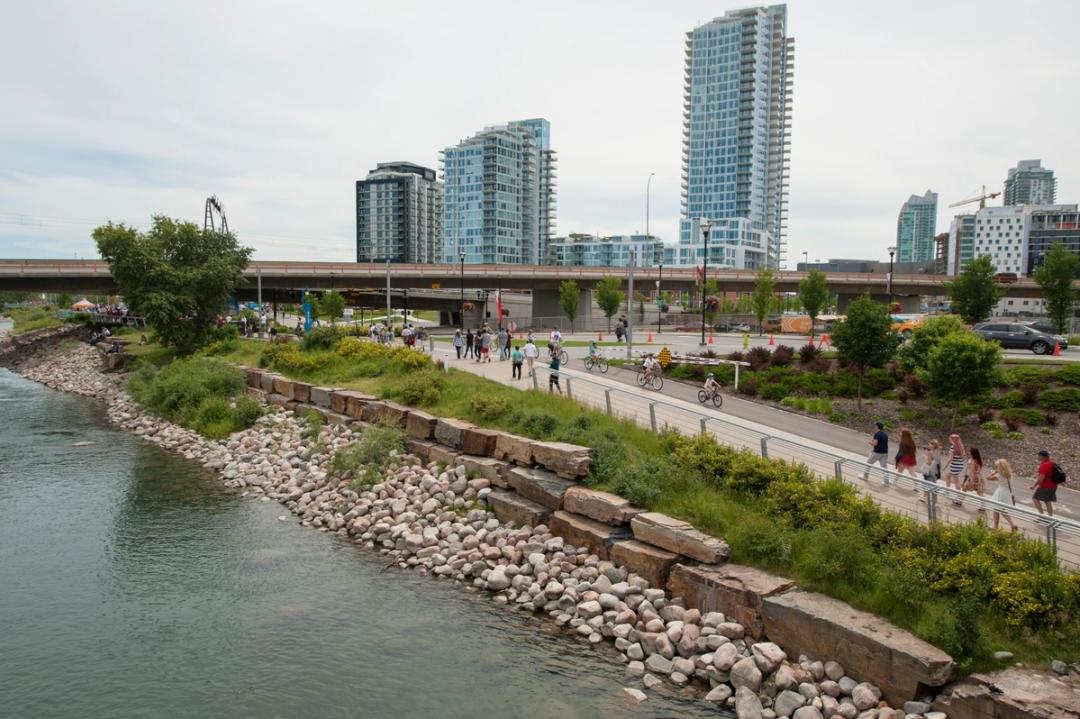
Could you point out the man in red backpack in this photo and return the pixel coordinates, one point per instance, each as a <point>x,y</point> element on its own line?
<point>1050,476</point>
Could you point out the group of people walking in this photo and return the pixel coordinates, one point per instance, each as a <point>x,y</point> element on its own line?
<point>485,342</point>
<point>965,471</point>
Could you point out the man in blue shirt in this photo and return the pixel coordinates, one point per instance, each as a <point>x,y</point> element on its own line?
<point>879,451</point>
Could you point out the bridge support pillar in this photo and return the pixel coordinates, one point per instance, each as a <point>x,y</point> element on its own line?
<point>547,313</point>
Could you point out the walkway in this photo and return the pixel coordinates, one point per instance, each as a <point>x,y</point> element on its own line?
<point>784,435</point>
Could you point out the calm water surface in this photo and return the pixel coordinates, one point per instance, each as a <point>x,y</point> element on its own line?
<point>133,585</point>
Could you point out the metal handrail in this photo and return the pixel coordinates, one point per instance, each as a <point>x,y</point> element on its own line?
<point>1053,526</point>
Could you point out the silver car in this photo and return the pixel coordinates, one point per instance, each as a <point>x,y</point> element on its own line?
<point>1013,335</point>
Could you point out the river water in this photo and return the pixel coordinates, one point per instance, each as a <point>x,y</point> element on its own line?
<point>132,584</point>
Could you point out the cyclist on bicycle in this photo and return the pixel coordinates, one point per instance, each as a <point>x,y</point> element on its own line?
<point>594,351</point>
<point>651,366</point>
<point>711,385</point>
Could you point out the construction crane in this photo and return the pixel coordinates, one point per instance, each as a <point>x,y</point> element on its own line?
<point>213,204</point>
<point>981,199</point>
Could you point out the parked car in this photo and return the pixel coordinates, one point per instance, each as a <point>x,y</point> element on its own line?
<point>1006,278</point>
<point>690,327</point>
<point>740,327</point>
<point>1013,335</point>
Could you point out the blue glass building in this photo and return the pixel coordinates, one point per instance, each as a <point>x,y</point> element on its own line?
<point>736,138</point>
<point>500,195</point>
<point>915,228</point>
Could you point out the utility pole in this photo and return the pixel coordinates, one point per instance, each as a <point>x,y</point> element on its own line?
<point>705,224</point>
<point>630,307</point>
<point>388,291</point>
<point>892,251</point>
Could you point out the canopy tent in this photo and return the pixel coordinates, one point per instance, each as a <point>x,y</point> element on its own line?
<point>82,304</point>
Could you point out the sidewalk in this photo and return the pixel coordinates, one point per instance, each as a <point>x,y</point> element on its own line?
<point>789,436</point>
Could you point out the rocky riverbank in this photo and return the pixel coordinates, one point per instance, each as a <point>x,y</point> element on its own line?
<point>436,520</point>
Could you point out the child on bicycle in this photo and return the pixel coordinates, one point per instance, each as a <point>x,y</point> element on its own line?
<point>651,366</point>
<point>594,351</point>
<point>711,385</point>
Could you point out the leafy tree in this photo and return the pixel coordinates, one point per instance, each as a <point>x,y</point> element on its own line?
<point>312,300</point>
<point>963,366</point>
<point>865,339</point>
<point>915,354</point>
<point>640,297</point>
<point>1055,276</point>
<point>608,297</point>
<point>569,298</point>
<point>813,294</point>
<point>975,292</point>
<point>762,296</point>
<point>177,275</point>
<point>64,301</point>
<point>331,305</point>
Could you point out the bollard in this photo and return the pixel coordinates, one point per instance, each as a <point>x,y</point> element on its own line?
<point>838,467</point>
<point>765,447</point>
<point>652,415</point>
<point>703,421</point>
<point>745,340</point>
<point>607,400</point>
<point>568,393</point>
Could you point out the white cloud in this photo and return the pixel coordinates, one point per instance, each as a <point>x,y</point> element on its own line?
<point>119,110</point>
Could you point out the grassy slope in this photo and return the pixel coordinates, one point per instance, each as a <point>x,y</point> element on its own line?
<point>32,318</point>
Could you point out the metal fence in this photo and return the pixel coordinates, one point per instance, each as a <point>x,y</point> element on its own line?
<point>637,405</point>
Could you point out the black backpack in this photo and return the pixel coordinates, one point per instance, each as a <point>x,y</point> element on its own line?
<point>1057,474</point>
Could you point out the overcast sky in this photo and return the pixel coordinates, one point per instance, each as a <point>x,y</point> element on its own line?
<point>120,110</point>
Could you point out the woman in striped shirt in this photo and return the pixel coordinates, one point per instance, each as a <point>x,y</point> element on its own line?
<point>957,461</point>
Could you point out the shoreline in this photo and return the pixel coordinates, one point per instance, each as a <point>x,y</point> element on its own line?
<point>440,523</point>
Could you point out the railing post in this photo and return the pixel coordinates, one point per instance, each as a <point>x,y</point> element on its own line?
<point>652,415</point>
<point>838,469</point>
<point>607,400</point>
<point>536,382</point>
<point>568,393</point>
<point>931,505</point>
<point>703,421</point>
<point>765,447</point>
<point>736,375</point>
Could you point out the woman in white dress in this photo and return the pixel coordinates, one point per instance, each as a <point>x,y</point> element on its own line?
<point>1000,482</point>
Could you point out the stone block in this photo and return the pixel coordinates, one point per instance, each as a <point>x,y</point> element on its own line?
<point>301,392</point>
<point>571,461</point>
<point>253,376</point>
<point>420,425</point>
<point>678,536</point>
<point>1013,693</point>
<point>511,448</point>
<point>321,396</point>
<point>602,506</point>
<point>446,455</point>
<point>348,402</point>
<point>266,381</point>
<point>370,410</point>
<point>115,361</point>
<point>451,432</point>
<point>648,561</point>
<point>338,399</point>
<point>278,400</point>
<point>479,442</point>
<point>256,393</point>
<point>419,447</point>
<point>515,509</point>
<point>869,648</point>
<point>393,413</point>
<point>583,532</point>
<point>336,418</point>
<point>539,485</point>
<point>734,590</point>
<point>489,468</point>
<point>284,387</point>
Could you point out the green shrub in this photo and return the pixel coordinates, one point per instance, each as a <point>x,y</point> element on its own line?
<point>1026,374</point>
<point>323,338</point>
<point>490,408</point>
<point>1013,398</point>
<point>422,389</point>
<point>373,449</point>
<point>813,383</point>
<point>1067,399</point>
<point>774,392</point>
<point>1030,417</point>
<point>641,483</point>
<point>539,424</point>
<point>288,358</point>
<point>1069,374</point>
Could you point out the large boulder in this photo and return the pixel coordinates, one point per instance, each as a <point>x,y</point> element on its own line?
<point>479,441</point>
<point>451,432</point>
<point>493,470</point>
<point>731,589</point>
<point>678,536</point>
<point>301,391</point>
<point>583,532</point>
<point>393,413</point>
<point>602,506</point>
<point>652,563</point>
<point>266,382</point>
<point>321,396</point>
<point>1013,693</point>
<point>567,460</point>
<point>420,425</point>
<point>511,448</point>
<point>539,485</point>
<point>870,648</point>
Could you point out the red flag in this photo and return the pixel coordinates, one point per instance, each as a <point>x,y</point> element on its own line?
<point>700,272</point>
<point>498,305</point>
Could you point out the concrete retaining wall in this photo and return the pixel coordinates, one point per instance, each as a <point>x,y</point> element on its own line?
<point>539,483</point>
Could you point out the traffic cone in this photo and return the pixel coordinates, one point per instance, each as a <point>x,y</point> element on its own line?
<point>599,337</point>
<point>1057,349</point>
<point>710,336</point>
<point>649,341</point>
<point>772,340</point>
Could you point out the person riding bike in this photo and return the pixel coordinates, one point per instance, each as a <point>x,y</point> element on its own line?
<point>711,385</point>
<point>651,366</point>
<point>594,351</point>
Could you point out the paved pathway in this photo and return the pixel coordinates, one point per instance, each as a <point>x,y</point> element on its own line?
<point>788,436</point>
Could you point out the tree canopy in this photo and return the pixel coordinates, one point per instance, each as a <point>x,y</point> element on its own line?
<point>762,297</point>
<point>813,294</point>
<point>569,299</point>
<point>961,367</point>
<point>608,296</point>
<point>331,305</point>
<point>975,291</point>
<point>865,339</point>
<point>177,275</point>
<point>1055,276</point>
<point>915,353</point>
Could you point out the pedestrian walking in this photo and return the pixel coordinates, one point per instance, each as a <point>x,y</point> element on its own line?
<point>931,469</point>
<point>973,480</point>
<point>485,347</point>
<point>553,376</point>
<point>516,357</point>
<point>509,340</point>
<point>459,342</point>
<point>531,353</point>
<point>1000,481</point>
<point>905,454</point>
<point>957,461</point>
<point>503,354</point>
<point>879,451</point>
<point>469,344</point>
<point>1050,476</point>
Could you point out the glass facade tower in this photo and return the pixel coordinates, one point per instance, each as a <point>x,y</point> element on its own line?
<point>1029,183</point>
<point>915,228</point>
<point>500,195</point>
<point>399,214</point>
<point>736,138</point>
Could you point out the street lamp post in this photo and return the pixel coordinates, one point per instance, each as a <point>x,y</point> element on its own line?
<point>805,261</point>
<point>461,311</point>
<point>659,301</point>
<point>704,273</point>
<point>892,252</point>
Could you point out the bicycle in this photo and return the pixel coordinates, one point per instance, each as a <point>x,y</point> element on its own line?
<point>600,362</point>
<point>564,358</point>
<point>717,398</point>
<point>655,381</point>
